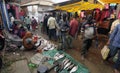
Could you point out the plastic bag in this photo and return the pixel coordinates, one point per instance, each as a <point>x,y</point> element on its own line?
<point>104,52</point>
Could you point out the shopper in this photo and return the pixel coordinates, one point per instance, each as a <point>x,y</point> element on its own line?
<point>15,28</point>
<point>28,22</point>
<point>34,23</point>
<point>52,26</point>
<point>112,19</point>
<point>114,24</point>
<point>45,24</point>
<point>74,27</point>
<point>21,32</point>
<point>58,32</point>
<point>88,32</point>
<point>21,13</point>
<point>64,28</point>
<point>113,50</point>
<point>115,39</point>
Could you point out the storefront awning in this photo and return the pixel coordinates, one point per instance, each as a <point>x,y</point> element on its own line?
<point>110,1</point>
<point>79,6</point>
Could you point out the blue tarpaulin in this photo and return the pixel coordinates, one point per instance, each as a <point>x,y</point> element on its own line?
<point>5,16</point>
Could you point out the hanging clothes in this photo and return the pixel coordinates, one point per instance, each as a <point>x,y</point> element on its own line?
<point>104,14</point>
<point>17,12</point>
<point>97,14</point>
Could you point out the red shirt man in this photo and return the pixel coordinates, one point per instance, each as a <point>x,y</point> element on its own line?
<point>73,27</point>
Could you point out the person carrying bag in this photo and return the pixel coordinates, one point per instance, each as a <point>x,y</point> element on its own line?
<point>115,39</point>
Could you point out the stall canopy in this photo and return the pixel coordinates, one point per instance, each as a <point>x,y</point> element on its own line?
<point>79,6</point>
<point>41,2</point>
<point>110,1</point>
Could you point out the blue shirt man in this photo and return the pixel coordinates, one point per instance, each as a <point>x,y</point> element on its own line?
<point>115,37</point>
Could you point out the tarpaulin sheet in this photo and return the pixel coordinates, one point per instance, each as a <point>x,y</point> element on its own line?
<point>81,68</point>
<point>79,6</point>
<point>5,16</point>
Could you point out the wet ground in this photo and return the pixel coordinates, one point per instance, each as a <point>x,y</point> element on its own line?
<point>93,61</point>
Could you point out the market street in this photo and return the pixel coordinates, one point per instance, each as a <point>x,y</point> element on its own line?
<point>93,62</point>
<point>59,36</point>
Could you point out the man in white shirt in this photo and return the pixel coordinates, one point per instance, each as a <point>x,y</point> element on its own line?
<point>114,24</point>
<point>52,26</point>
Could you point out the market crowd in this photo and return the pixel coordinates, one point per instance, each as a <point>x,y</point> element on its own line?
<point>64,28</point>
<point>20,27</point>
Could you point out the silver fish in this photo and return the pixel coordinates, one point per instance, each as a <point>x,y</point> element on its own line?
<point>74,69</point>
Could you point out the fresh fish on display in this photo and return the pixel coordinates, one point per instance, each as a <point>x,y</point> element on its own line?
<point>74,69</point>
<point>70,67</point>
<point>68,64</point>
